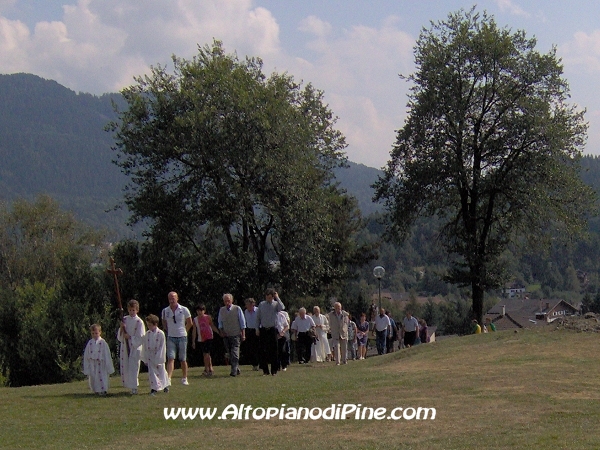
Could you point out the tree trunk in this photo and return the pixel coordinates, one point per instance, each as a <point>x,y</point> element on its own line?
<point>478,294</point>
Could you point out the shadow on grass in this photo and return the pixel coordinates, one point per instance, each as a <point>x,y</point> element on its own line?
<point>79,395</point>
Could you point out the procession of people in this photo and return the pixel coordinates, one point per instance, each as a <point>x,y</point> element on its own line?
<point>264,336</point>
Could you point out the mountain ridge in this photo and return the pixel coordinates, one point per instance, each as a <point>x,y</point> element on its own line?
<point>53,141</point>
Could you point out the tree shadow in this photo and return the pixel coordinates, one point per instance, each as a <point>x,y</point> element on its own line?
<point>79,395</point>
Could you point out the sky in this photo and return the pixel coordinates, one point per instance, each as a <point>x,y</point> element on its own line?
<point>352,50</point>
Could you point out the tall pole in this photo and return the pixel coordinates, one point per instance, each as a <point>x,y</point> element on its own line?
<point>115,273</point>
<point>379,272</point>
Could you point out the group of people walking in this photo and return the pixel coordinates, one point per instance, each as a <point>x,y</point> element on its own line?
<point>387,331</point>
<point>136,344</point>
<point>265,331</point>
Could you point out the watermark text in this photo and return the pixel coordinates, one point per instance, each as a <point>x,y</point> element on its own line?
<point>334,412</point>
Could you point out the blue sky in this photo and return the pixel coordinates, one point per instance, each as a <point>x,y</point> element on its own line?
<point>351,49</point>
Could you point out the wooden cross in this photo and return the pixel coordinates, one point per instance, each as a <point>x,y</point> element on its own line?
<point>115,273</point>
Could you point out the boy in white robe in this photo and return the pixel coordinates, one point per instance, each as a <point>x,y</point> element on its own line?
<point>130,336</point>
<point>154,353</point>
<point>97,362</point>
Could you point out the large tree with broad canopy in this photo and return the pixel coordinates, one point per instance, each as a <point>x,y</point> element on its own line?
<point>234,170</point>
<point>490,146</point>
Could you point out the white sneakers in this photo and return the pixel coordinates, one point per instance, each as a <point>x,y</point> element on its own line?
<point>184,381</point>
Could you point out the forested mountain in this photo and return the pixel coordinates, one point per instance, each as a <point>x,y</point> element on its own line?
<point>53,141</point>
<point>357,180</point>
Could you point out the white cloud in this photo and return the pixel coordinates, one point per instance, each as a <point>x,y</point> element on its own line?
<point>99,45</point>
<point>583,51</point>
<point>358,70</point>
<point>12,51</point>
<point>369,130</point>
<point>316,26</point>
<point>593,135</point>
<point>512,8</point>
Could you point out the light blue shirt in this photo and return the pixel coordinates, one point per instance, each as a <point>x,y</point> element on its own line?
<point>251,318</point>
<point>267,313</point>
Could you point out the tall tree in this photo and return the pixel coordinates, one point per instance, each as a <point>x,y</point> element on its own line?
<point>49,292</point>
<point>237,170</point>
<point>490,147</point>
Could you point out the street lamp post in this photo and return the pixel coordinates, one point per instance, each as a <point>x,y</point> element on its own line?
<point>379,272</point>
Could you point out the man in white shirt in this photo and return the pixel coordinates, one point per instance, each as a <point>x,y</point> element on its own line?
<point>382,327</point>
<point>410,327</point>
<point>177,321</point>
<point>301,325</point>
<point>283,339</point>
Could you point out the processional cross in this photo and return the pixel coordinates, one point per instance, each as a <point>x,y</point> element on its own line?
<point>115,273</point>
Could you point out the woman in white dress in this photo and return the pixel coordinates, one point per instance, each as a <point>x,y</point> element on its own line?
<point>320,350</point>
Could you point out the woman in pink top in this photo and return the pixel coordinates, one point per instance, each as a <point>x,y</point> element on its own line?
<point>203,335</point>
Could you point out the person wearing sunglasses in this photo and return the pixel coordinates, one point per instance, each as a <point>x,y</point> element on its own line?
<point>177,321</point>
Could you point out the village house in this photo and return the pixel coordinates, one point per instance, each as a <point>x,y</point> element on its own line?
<point>523,312</point>
<point>514,289</point>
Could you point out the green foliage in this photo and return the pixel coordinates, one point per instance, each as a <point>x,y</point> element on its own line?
<point>49,294</point>
<point>590,303</point>
<point>34,239</point>
<point>456,317</point>
<point>233,171</point>
<point>413,306</point>
<point>431,313</point>
<point>490,148</point>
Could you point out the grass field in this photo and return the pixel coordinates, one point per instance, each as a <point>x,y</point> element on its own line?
<point>532,389</point>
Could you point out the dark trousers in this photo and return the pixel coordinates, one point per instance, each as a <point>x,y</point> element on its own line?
<point>303,345</point>
<point>390,344</point>
<point>380,338</point>
<point>232,346</point>
<point>409,338</point>
<point>250,347</point>
<point>283,348</point>
<point>268,350</point>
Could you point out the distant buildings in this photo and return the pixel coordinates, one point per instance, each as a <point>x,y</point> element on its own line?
<point>514,290</point>
<point>523,312</point>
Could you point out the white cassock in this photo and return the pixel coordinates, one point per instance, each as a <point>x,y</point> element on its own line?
<point>98,365</point>
<point>130,362</point>
<point>320,350</point>
<point>154,354</point>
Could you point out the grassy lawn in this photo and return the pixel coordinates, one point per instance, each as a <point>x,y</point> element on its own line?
<point>532,389</point>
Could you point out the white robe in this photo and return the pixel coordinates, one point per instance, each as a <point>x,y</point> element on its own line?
<point>321,350</point>
<point>130,363</point>
<point>154,356</point>
<point>98,365</point>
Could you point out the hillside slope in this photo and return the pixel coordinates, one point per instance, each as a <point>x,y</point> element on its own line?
<point>529,390</point>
